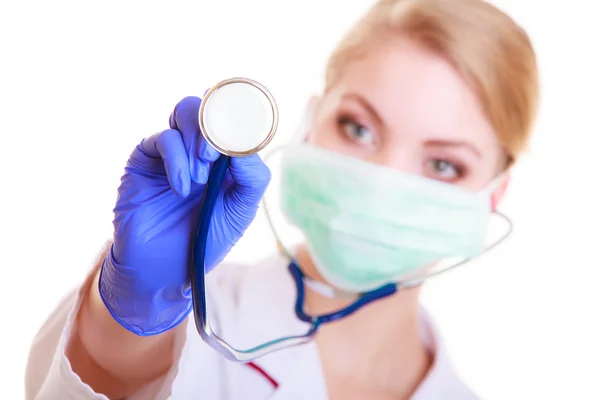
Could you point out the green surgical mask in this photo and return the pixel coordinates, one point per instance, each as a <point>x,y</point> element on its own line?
<point>367,225</point>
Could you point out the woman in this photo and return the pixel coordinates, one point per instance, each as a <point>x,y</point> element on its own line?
<point>427,105</point>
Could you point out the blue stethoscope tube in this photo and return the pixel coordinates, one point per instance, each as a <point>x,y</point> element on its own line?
<point>207,205</point>
<point>198,283</point>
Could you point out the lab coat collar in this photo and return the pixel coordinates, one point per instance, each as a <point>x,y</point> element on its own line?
<point>267,297</point>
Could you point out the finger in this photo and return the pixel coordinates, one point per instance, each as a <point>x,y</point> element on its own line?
<point>251,178</point>
<point>200,155</point>
<point>169,146</point>
<point>206,152</point>
<point>185,119</point>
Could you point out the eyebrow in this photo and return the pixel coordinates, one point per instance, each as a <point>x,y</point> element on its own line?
<point>365,104</point>
<point>433,143</point>
<point>455,144</point>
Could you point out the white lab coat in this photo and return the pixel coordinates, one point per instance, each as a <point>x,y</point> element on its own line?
<point>252,305</point>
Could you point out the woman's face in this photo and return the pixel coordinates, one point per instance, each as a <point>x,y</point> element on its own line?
<point>406,108</point>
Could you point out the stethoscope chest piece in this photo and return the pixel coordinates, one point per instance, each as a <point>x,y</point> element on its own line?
<point>238,117</point>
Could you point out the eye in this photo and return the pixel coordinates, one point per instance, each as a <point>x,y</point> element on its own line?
<point>356,132</point>
<point>445,170</point>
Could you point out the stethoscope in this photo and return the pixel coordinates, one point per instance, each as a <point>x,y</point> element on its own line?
<point>239,117</point>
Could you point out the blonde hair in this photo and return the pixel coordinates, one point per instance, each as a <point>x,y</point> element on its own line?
<point>493,54</point>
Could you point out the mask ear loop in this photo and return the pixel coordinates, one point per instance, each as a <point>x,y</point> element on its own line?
<point>301,135</point>
<point>319,287</point>
<point>280,247</point>
<point>298,136</point>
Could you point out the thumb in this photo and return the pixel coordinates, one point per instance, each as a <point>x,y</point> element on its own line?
<point>251,177</point>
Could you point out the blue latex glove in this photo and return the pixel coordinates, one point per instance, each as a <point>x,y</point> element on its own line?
<point>144,280</point>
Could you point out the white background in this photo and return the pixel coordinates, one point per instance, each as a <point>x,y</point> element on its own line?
<point>82,83</point>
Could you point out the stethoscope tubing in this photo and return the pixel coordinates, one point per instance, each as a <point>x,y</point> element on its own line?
<point>198,284</point>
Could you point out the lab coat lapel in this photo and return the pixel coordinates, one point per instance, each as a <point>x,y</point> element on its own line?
<point>267,299</point>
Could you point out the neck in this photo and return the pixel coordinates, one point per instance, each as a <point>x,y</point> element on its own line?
<point>378,347</point>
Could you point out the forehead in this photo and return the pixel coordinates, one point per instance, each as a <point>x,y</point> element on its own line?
<point>416,91</point>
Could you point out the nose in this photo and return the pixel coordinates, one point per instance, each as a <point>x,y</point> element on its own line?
<point>402,158</point>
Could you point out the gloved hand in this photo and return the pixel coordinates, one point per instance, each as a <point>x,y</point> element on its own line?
<point>144,280</point>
